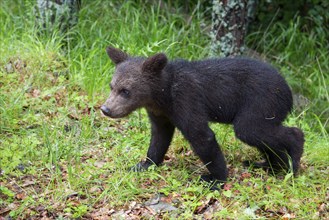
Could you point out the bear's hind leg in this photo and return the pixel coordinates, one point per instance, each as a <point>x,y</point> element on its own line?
<point>293,138</point>
<point>281,146</point>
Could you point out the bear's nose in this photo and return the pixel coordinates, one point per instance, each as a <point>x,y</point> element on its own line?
<point>105,110</point>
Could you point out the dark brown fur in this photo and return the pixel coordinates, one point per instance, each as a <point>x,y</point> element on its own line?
<point>249,94</point>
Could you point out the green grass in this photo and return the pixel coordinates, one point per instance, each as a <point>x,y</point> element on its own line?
<point>61,158</point>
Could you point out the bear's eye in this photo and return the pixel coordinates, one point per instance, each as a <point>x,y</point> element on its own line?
<point>125,93</point>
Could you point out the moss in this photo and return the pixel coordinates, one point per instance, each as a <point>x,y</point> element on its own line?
<point>228,27</point>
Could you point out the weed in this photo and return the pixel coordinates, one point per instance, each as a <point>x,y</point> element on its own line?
<point>60,158</point>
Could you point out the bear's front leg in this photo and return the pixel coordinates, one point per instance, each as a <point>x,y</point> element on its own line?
<point>162,131</point>
<point>204,144</point>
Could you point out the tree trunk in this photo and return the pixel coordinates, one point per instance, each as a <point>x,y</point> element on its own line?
<point>229,26</point>
<point>59,15</point>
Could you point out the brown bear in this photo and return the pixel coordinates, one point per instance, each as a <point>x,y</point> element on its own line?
<point>187,95</point>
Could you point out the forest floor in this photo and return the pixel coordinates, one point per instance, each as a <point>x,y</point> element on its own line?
<point>60,158</point>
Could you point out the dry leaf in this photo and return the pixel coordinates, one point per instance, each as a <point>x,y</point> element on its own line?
<point>35,93</point>
<point>20,196</point>
<point>227,186</point>
<point>288,216</point>
<point>245,175</point>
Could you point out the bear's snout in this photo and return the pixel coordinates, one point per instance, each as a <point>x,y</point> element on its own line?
<point>105,110</point>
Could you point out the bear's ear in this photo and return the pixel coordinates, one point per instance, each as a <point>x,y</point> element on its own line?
<point>116,55</point>
<point>155,63</point>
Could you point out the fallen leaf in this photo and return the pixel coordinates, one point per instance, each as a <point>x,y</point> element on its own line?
<point>132,205</point>
<point>227,186</point>
<point>35,93</point>
<point>74,114</point>
<point>4,212</point>
<point>99,164</point>
<point>9,68</point>
<point>323,209</point>
<point>102,213</point>
<point>71,195</point>
<point>288,216</point>
<point>19,64</point>
<point>283,210</point>
<point>95,189</point>
<point>20,196</point>
<point>28,183</point>
<point>245,175</point>
<point>86,111</point>
<point>156,205</point>
<point>205,205</point>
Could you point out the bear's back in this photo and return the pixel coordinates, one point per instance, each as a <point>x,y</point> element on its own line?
<point>227,85</point>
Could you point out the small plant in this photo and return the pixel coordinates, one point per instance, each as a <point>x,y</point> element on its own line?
<point>76,210</point>
<point>60,158</point>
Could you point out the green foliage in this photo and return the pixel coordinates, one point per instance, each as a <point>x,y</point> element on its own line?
<point>60,158</point>
<point>76,211</point>
<point>6,194</point>
<point>303,59</point>
<point>312,13</point>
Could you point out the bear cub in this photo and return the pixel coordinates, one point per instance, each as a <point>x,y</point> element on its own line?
<point>187,95</point>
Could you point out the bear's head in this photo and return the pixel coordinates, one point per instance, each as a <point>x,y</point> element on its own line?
<point>132,82</point>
